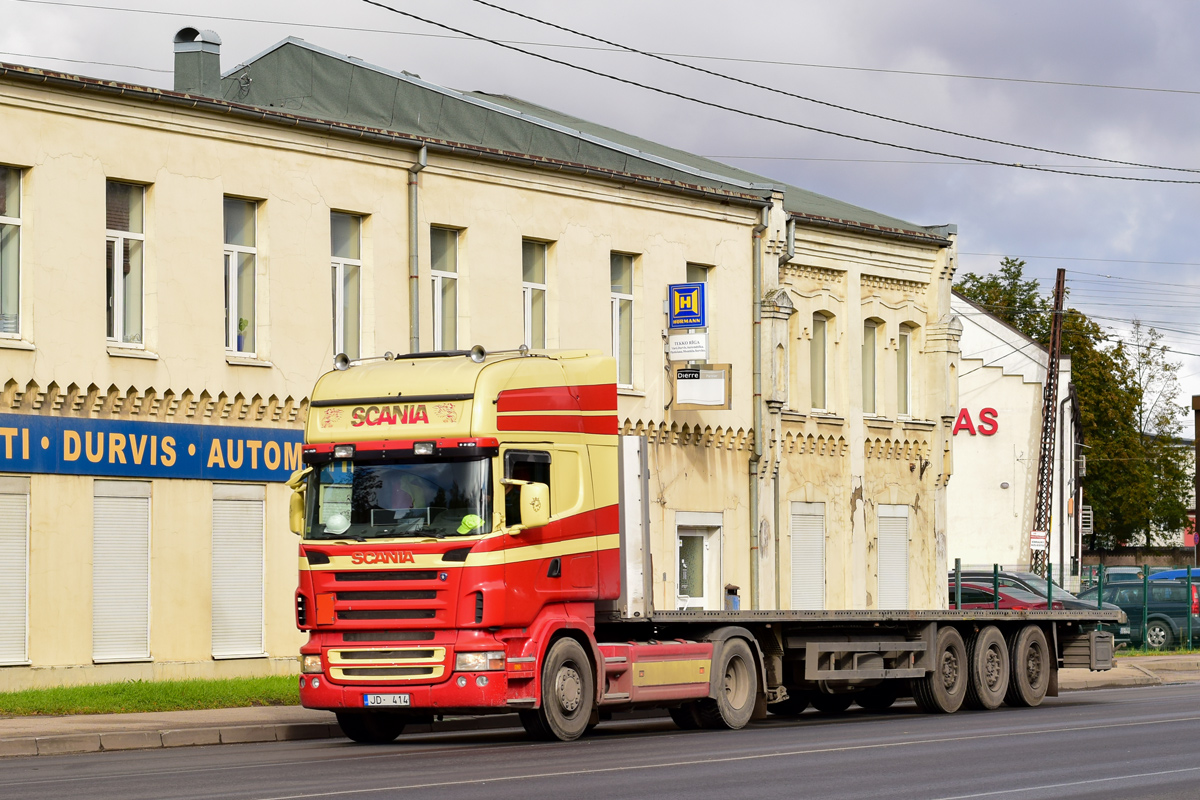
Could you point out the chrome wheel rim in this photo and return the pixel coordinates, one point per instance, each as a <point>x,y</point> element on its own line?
<point>568,687</point>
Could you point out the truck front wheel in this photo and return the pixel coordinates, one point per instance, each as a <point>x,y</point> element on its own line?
<point>568,693</point>
<point>942,690</point>
<point>370,727</point>
<point>737,688</point>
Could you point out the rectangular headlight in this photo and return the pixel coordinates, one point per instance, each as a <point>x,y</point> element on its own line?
<point>310,663</point>
<point>424,448</point>
<point>479,662</point>
<point>343,451</point>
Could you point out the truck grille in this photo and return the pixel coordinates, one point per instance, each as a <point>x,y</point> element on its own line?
<point>388,613</point>
<point>392,575</point>
<point>390,664</point>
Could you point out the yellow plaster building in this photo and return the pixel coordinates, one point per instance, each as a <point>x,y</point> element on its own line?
<point>178,268</point>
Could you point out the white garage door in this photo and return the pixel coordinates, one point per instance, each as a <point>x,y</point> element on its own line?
<point>121,571</point>
<point>893,557</point>
<point>14,569</point>
<point>808,556</point>
<point>237,571</point>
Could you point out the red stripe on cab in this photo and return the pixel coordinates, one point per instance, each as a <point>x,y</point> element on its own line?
<point>559,423</point>
<point>597,397</point>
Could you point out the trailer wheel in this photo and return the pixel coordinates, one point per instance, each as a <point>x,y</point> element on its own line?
<point>987,657</point>
<point>370,727</point>
<point>831,703</point>
<point>568,693</point>
<point>1031,667</point>
<point>877,698</point>
<point>793,706</point>
<point>685,716</point>
<point>737,689</point>
<point>942,691</point>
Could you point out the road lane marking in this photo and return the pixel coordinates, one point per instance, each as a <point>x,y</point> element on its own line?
<point>998,792</point>
<point>724,760</point>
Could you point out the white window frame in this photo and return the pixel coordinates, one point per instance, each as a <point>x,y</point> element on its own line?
<point>339,265</point>
<point>118,239</point>
<point>529,287</point>
<point>825,320</point>
<point>874,376</point>
<point>16,222</point>
<point>19,486</point>
<point>244,493</point>
<point>232,251</point>
<point>904,401</point>
<point>615,299</point>
<point>439,277</point>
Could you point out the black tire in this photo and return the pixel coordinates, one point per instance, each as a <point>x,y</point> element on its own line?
<point>1031,667</point>
<point>988,669</point>
<point>568,693</point>
<point>531,721</point>
<point>943,690</point>
<point>831,703</point>
<point>797,700</point>
<point>737,689</point>
<point>685,717</point>
<point>1159,635</point>
<point>370,727</point>
<point>877,698</point>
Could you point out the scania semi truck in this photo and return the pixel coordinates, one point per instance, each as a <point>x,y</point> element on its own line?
<point>475,539</point>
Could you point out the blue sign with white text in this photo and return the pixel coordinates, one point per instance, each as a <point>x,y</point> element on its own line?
<point>686,306</point>
<point>127,449</point>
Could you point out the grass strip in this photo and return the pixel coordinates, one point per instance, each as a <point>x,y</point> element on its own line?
<point>131,696</point>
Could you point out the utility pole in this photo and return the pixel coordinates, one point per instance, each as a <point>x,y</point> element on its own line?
<point>1039,540</point>
<point>1196,466</point>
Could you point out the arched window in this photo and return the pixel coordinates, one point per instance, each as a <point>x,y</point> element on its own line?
<point>819,362</point>
<point>870,329</point>
<point>903,339</point>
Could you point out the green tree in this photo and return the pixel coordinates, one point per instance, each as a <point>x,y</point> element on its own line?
<point>1012,297</point>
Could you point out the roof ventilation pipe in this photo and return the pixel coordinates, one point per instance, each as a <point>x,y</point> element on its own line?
<point>198,62</point>
<point>414,264</point>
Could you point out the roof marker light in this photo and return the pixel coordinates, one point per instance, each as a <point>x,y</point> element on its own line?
<point>343,451</point>
<point>423,448</point>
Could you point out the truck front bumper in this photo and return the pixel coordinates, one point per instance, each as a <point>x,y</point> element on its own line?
<point>473,692</point>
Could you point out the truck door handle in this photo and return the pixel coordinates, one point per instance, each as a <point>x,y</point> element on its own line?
<point>555,570</point>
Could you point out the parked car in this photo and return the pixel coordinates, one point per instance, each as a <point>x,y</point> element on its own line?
<point>1176,574</point>
<point>1122,574</point>
<point>976,595</point>
<point>1031,582</point>
<point>1166,612</point>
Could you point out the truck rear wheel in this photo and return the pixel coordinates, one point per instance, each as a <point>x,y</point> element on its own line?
<point>831,703</point>
<point>568,693</point>
<point>987,659</point>
<point>1031,666</point>
<point>370,727</point>
<point>797,700</point>
<point>737,689</point>
<point>685,717</point>
<point>942,691</point>
<point>877,698</point>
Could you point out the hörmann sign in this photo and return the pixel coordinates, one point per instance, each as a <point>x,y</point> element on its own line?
<point>125,449</point>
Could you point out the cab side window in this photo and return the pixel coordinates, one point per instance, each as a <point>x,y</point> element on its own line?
<point>523,465</point>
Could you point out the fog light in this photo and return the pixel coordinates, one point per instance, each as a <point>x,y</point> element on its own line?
<point>301,682</point>
<point>316,682</point>
<point>310,663</point>
<point>462,681</point>
<point>479,662</point>
<point>481,681</point>
<point>343,451</point>
<point>423,448</point>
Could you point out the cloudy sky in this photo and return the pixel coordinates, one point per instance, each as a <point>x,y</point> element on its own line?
<point>1100,78</point>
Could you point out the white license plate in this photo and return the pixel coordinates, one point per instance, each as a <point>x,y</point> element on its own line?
<point>1125,629</point>
<point>373,700</point>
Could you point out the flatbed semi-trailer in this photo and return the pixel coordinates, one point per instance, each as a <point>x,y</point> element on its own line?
<point>475,539</point>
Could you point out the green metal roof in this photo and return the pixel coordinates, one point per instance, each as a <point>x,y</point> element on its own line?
<point>302,79</point>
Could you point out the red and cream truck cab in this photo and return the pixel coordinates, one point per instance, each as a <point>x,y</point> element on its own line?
<point>475,539</point>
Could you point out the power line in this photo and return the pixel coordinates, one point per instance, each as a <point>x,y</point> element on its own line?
<point>826,103</point>
<point>697,56</point>
<point>1097,260</point>
<point>80,61</point>
<point>892,161</point>
<point>754,115</point>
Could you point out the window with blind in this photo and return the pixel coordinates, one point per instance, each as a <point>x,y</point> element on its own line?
<point>121,571</point>
<point>14,570</point>
<point>237,571</point>
<point>808,556</point>
<point>893,557</point>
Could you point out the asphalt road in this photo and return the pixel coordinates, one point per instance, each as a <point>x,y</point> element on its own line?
<point>1138,742</point>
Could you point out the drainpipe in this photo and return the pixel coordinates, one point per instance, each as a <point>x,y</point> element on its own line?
<point>783,259</point>
<point>756,355</point>
<point>414,275</point>
<point>1062,484</point>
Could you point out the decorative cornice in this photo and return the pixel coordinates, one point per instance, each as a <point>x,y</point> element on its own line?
<point>808,444</point>
<point>880,282</point>
<point>690,435</point>
<point>898,449</point>
<point>822,274</point>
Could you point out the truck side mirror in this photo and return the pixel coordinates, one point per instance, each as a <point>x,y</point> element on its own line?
<point>296,503</point>
<point>535,506</point>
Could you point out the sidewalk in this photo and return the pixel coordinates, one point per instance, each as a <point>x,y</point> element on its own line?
<point>89,733</point>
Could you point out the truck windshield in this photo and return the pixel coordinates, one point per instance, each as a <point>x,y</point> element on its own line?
<point>349,500</point>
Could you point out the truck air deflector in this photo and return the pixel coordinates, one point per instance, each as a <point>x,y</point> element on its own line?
<point>396,398</point>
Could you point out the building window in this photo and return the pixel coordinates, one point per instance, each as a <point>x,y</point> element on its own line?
<point>443,249</point>
<point>621,269</point>
<point>868,366</point>
<point>10,251</point>
<point>818,361</point>
<point>125,238</point>
<point>808,555</point>
<point>14,570</point>
<point>902,372</point>
<point>121,571</point>
<point>345,234</point>
<point>533,291</point>
<point>237,570</point>
<point>892,549</point>
<point>241,257</point>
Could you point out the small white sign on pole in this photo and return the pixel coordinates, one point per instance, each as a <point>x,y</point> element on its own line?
<point>688,346</point>
<point>700,387</point>
<point>1038,540</point>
